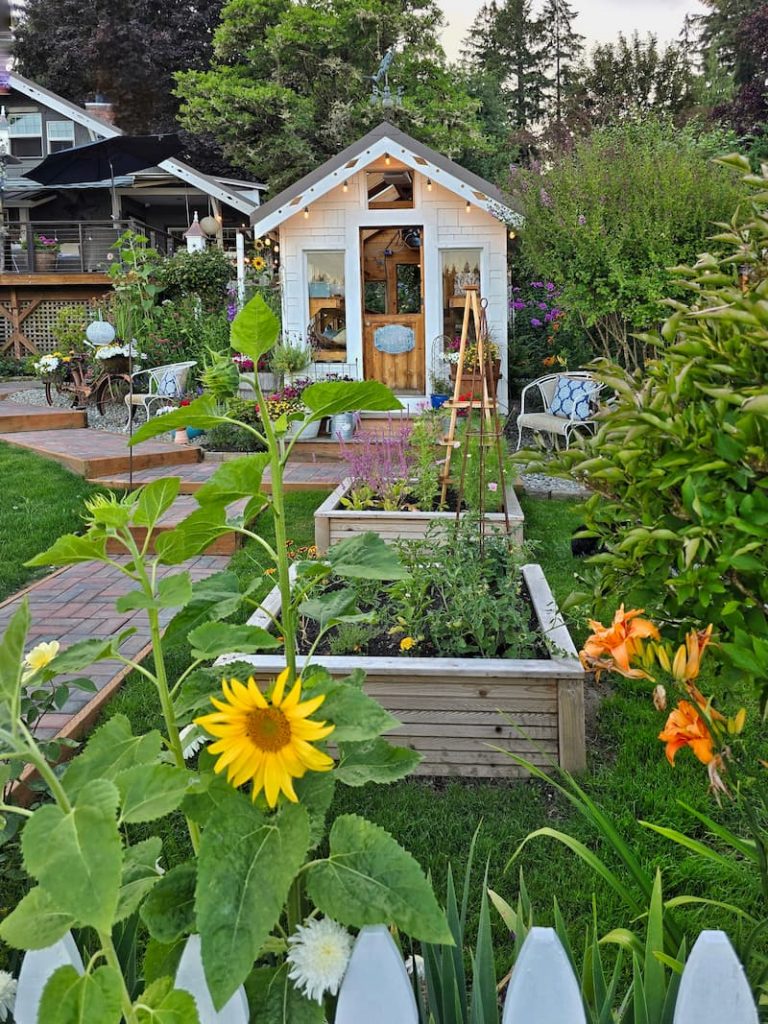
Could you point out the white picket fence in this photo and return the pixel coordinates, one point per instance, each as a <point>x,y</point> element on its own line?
<point>377,990</point>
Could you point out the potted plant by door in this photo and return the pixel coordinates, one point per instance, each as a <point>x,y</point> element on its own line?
<point>290,359</point>
<point>442,389</point>
<point>46,251</point>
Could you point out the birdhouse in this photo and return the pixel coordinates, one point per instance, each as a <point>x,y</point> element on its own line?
<point>195,236</point>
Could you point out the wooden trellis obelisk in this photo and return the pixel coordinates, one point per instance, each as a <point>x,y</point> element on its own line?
<point>488,429</point>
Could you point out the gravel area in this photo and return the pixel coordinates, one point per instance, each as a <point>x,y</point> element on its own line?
<point>541,485</point>
<point>114,419</point>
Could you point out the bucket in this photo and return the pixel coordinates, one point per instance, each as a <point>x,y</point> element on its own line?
<point>343,426</point>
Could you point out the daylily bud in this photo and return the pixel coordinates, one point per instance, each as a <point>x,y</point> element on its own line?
<point>662,657</point>
<point>680,662</point>
<point>737,723</point>
<point>659,698</point>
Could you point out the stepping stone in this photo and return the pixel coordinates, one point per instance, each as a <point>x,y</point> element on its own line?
<point>15,418</point>
<point>95,453</point>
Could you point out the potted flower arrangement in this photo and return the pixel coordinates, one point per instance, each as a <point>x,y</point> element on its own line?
<point>46,250</point>
<point>472,376</point>
<point>115,357</point>
<point>53,367</point>
<point>442,389</point>
<point>288,402</point>
<point>289,359</point>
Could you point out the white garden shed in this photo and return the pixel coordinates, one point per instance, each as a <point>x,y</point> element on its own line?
<point>376,247</point>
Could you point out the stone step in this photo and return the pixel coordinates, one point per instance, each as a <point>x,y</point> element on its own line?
<point>17,418</point>
<point>98,453</point>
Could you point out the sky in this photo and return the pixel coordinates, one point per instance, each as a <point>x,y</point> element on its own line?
<point>598,20</point>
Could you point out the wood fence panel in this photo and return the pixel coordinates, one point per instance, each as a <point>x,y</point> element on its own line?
<point>714,988</point>
<point>543,989</point>
<point>376,987</point>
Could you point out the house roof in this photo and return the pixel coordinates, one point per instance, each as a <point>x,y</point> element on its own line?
<point>243,196</point>
<point>384,138</point>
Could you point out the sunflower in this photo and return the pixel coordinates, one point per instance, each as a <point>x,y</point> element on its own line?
<point>259,263</point>
<point>268,741</point>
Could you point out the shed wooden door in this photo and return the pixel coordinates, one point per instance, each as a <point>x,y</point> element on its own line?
<point>393,307</point>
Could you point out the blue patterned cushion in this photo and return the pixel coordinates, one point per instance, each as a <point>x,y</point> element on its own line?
<point>168,384</point>
<point>573,398</point>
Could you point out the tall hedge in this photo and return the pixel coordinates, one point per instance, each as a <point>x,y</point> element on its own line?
<point>606,220</point>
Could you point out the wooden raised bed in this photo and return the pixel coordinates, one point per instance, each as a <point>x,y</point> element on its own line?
<point>452,709</point>
<point>334,523</point>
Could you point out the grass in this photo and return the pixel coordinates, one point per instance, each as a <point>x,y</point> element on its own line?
<point>39,501</point>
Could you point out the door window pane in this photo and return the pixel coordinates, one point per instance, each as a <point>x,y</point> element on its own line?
<point>408,288</point>
<point>375,296</point>
<point>327,330</point>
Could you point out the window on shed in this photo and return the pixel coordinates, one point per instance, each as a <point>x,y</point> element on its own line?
<point>61,135</point>
<point>26,129</point>
<point>327,332</point>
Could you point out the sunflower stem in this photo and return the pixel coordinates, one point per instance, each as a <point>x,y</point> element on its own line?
<point>294,906</point>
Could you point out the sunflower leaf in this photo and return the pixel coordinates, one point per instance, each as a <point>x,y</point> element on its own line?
<point>246,866</point>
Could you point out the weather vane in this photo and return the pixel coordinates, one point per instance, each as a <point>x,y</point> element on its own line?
<point>381,91</point>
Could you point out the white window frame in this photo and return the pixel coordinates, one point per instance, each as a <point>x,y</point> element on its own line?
<point>70,139</point>
<point>27,135</point>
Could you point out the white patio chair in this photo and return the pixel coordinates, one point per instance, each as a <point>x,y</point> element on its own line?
<point>165,386</point>
<point>569,416</point>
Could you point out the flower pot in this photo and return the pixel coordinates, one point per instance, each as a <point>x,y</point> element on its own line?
<point>180,437</point>
<point>437,400</point>
<point>343,426</point>
<point>473,382</point>
<point>45,261</point>
<point>193,432</point>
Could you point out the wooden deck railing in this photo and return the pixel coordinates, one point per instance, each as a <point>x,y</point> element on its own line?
<point>377,990</point>
<point>81,247</point>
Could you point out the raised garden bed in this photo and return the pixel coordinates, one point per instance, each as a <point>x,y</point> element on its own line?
<point>334,523</point>
<point>453,710</point>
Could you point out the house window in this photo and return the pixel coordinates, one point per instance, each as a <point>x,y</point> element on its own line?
<point>327,331</point>
<point>61,135</point>
<point>26,129</point>
<point>460,267</point>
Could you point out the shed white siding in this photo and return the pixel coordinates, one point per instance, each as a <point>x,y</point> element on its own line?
<point>334,223</point>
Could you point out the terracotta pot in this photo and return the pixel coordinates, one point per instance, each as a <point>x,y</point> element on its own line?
<point>474,382</point>
<point>44,261</point>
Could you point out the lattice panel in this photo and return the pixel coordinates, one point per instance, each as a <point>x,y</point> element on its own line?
<point>40,323</point>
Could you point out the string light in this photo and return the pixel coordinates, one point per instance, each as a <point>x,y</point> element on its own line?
<point>267,241</point>
<point>306,212</point>
<point>429,184</point>
<point>345,187</point>
<point>387,159</point>
<point>513,234</point>
<point>468,207</point>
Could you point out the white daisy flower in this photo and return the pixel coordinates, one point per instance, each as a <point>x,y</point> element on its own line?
<point>319,952</point>
<point>7,994</point>
<point>192,738</point>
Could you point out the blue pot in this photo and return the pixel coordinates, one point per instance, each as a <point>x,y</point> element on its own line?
<point>193,432</point>
<point>438,400</point>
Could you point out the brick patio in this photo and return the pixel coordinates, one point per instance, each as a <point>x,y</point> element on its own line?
<point>299,476</point>
<point>78,602</point>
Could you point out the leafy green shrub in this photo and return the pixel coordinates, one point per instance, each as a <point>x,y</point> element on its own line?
<point>679,465</point>
<point>182,330</point>
<point>202,274</point>
<point>230,437</point>
<point>610,217</point>
<point>12,367</point>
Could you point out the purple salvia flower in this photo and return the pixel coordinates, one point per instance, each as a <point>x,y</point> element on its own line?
<point>550,286</point>
<point>542,305</point>
<point>537,284</point>
<point>518,305</point>
<point>535,322</point>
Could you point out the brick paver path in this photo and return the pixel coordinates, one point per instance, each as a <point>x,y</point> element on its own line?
<point>78,602</point>
<point>299,476</point>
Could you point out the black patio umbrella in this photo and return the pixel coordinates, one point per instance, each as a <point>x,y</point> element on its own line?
<point>105,160</point>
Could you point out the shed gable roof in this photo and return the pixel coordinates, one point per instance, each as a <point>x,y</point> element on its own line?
<point>241,200</point>
<point>384,138</point>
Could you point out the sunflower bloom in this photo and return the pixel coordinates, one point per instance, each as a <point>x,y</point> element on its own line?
<point>614,647</point>
<point>686,728</point>
<point>266,740</point>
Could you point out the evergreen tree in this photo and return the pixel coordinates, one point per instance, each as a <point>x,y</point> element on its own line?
<point>562,47</point>
<point>290,82</point>
<point>719,30</point>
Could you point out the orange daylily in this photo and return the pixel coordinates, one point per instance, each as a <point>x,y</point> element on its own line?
<point>687,663</point>
<point>686,728</point>
<point>614,647</point>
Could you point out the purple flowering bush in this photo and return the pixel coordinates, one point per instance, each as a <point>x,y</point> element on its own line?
<point>539,338</point>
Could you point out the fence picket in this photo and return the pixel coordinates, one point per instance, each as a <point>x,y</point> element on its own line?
<point>714,987</point>
<point>36,968</point>
<point>543,989</point>
<point>376,987</point>
<point>191,977</point>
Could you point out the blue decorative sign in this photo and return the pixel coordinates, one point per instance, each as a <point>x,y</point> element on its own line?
<point>394,339</point>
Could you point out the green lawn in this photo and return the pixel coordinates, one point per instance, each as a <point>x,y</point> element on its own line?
<point>436,819</point>
<point>39,501</point>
